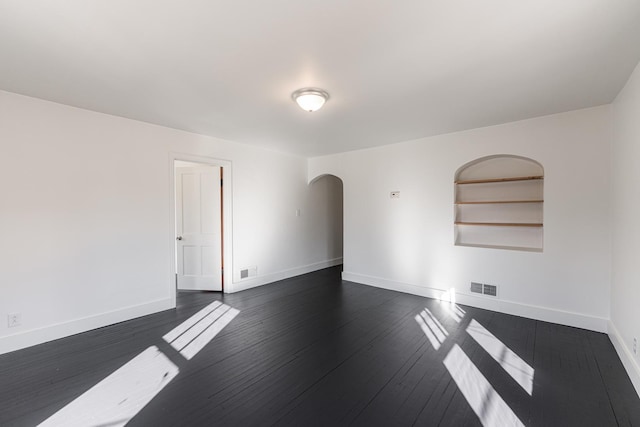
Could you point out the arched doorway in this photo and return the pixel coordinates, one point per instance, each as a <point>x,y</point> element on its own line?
<point>327,198</point>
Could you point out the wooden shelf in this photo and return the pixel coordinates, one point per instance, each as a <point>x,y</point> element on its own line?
<point>500,224</point>
<point>492,202</point>
<point>505,209</point>
<point>484,181</point>
<point>507,247</point>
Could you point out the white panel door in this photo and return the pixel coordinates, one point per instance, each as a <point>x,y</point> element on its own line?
<point>198,228</point>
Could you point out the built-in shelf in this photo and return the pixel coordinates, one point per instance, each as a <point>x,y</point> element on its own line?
<point>506,179</point>
<point>510,248</point>
<point>496,202</point>
<point>499,203</point>
<point>501,224</point>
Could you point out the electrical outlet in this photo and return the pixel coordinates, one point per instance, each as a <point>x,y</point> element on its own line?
<point>395,194</point>
<point>635,346</point>
<point>14,319</point>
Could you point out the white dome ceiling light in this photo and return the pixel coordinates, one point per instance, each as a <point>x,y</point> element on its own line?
<point>310,99</point>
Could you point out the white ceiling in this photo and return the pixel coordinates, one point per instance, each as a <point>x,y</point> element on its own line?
<point>396,70</point>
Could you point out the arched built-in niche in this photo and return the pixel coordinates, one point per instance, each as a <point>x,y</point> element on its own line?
<point>499,203</point>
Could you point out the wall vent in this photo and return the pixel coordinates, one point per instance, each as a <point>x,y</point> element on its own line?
<point>491,290</point>
<point>476,287</point>
<point>247,272</point>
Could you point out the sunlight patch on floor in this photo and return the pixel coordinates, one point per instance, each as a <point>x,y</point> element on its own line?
<point>191,336</point>
<point>454,311</point>
<point>432,328</point>
<point>120,396</point>
<point>481,396</point>
<point>517,368</point>
<point>115,400</point>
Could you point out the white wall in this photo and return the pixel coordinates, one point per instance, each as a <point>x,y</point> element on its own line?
<point>85,217</point>
<point>407,243</point>
<point>625,288</point>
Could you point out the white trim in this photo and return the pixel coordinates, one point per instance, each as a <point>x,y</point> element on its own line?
<point>593,323</point>
<point>253,282</point>
<point>72,327</point>
<point>626,356</point>
<point>407,288</point>
<point>61,330</point>
<point>227,222</point>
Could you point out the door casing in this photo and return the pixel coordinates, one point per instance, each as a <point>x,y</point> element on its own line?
<point>227,217</point>
<point>199,245</point>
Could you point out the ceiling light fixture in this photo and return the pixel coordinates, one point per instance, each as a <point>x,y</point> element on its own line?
<point>310,99</point>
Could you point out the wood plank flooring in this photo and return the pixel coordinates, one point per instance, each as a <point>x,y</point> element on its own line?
<point>316,351</point>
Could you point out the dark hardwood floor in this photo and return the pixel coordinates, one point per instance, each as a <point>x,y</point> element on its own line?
<point>314,350</point>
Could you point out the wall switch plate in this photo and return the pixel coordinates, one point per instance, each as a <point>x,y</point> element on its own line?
<point>395,194</point>
<point>14,319</point>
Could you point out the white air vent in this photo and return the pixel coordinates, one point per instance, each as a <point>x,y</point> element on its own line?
<point>248,272</point>
<point>476,287</point>
<point>491,290</point>
<point>484,289</point>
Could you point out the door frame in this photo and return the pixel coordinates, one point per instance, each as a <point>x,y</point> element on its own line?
<point>227,252</point>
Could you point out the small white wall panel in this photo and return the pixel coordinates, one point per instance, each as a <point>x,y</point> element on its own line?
<point>210,203</point>
<point>192,261</point>
<point>210,264</point>
<point>191,203</point>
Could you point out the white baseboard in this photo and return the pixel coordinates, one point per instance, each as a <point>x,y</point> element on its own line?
<point>253,282</point>
<point>49,333</point>
<point>626,356</point>
<point>592,323</point>
<point>379,282</point>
